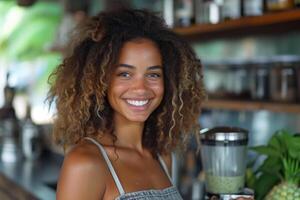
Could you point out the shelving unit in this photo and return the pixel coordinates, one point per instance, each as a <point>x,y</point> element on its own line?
<point>239,105</point>
<point>267,23</point>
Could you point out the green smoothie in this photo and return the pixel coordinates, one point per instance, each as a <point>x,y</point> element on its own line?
<point>224,184</point>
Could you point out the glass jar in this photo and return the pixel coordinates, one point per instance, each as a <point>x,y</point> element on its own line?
<point>184,12</point>
<point>253,7</point>
<point>260,84</point>
<point>241,83</point>
<point>276,5</point>
<point>283,82</point>
<point>215,80</point>
<point>208,12</point>
<point>231,9</point>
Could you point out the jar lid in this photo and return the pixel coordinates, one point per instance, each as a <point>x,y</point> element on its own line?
<point>224,133</point>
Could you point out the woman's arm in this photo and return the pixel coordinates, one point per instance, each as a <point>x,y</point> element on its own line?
<point>81,176</point>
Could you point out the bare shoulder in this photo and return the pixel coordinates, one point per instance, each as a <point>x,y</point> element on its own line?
<point>83,174</point>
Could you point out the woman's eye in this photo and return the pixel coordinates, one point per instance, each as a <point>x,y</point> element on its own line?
<point>154,75</point>
<point>124,74</point>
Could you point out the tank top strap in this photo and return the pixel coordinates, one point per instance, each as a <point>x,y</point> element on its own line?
<point>174,175</point>
<point>164,166</point>
<point>109,164</point>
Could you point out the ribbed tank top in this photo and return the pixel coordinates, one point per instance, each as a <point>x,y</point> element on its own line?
<point>170,193</point>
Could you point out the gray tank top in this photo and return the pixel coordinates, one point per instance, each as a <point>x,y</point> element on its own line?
<point>170,193</point>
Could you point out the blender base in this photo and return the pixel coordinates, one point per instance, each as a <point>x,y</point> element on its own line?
<point>246,193</point>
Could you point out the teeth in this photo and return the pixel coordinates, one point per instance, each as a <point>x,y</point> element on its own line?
<point>137,103</point>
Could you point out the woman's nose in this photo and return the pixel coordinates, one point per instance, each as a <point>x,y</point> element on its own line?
<point>140,84</point>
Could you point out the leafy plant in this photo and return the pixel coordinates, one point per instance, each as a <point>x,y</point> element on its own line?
<point>31,33</point>
<point>282,164</point>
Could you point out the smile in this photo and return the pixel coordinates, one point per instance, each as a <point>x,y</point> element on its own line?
<point>137,102</point>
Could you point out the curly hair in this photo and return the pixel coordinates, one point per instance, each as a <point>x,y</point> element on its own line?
<point>79,84</point>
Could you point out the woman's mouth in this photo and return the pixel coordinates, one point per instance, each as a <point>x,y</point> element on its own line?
<point>137,102</point>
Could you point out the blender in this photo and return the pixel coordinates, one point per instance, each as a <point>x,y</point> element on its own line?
<point>223,153</point>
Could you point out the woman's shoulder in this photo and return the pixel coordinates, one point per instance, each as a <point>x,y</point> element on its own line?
<point>83,154</point>
<point>83,171</point>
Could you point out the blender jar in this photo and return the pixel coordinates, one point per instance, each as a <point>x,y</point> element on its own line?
<point>223,154</point>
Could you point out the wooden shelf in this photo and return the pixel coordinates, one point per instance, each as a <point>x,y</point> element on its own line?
<point>270,22</point>
<point>251,106</point>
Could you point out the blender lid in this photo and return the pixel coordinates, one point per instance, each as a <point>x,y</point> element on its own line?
<point>224,134</point>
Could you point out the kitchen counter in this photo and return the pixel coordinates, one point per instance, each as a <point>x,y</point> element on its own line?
<point>10,190</point>
<point>27,179</point>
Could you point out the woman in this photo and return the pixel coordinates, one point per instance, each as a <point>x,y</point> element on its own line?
<point>128,94</point>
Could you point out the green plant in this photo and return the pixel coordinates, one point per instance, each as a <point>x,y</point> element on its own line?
<point>281,168</point>
<point>26,32</point>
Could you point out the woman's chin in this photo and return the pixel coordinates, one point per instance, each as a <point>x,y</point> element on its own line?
<point>137,118</point>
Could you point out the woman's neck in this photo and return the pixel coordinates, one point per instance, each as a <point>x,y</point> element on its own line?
<point>129,134</point>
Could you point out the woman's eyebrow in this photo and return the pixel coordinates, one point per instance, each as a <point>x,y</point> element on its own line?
<point>148,68</point>
<point>155,67</point>
<point>126,66</point>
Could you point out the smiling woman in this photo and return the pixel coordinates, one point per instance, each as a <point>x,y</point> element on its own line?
<point>129,93</point>
<point>136,88</point>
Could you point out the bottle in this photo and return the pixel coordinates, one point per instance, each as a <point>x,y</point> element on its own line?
<point>8,111</point>
<point>31,139</point>
<point>260,89</point>
<point>208,11</point>
<point>9,126</point>
<point>297,3</point>
<point>168,12</point>
<point>184,12</point>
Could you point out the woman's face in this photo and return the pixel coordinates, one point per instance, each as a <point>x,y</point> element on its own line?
<point>137,85</point>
